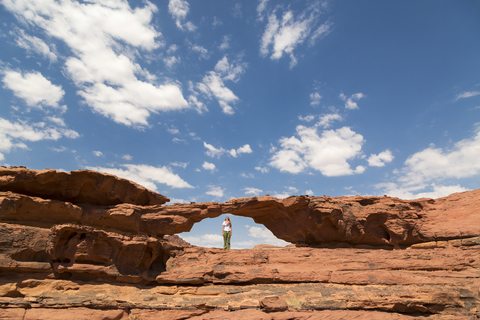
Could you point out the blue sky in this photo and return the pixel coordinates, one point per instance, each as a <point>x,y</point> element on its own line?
<point>211,100</point>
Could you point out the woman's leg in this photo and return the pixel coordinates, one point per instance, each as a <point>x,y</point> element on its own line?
<point>228,234</point>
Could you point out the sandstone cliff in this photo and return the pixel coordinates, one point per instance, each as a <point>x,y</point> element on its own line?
<point>100,247</point>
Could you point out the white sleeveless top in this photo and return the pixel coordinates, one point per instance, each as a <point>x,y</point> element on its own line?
<point>227,226</point>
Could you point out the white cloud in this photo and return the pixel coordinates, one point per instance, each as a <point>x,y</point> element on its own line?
<point>205,240</point>
<point>33,88</point>
<point>430,164</point>
<point>237,10</point>
<point>262,169</point>
<point>306,118</point>
<point>34,44</point>
<point>212,151</point>
<point>229,71</point>
<point>98,153</point>
<point>173,130</point>
<point>321,32</point>
<point>171,61</point>
<point>379,160</point>
<point>201,50</point>
<point>245,149</point>
<point>61,149</point>
<point>225,43</point>
<point>178,140</point>
<point>146,175</point>
<point>327,119</point>
<point>208,166</point>
<point>215,152</point>
<point>282,195</point>
<point>213,86</point>
<point>467,94</point>
<point>430,172</point>
<point>283,36</point>
<point>292,189</point>
<point>103,37</point>
<point>265,235</point>
<point>315,99</point>
<point>327,152</point>
<point>262,5</point>
<point>216,22</point>
<point>215,191</point>
<point>309,192</point>
<point>415,192</point>
<point>127,157</point>
<point>351,102</point>
<point>179,10</point>
<point>13,134</point>
<point>179,164</point>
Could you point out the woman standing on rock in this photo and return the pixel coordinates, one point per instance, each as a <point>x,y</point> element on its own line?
<point>227,232</point>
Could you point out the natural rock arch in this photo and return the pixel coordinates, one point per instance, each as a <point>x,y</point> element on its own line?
<point>52,198</point>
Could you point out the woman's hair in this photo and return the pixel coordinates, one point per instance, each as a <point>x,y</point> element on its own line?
<point>229,220</point>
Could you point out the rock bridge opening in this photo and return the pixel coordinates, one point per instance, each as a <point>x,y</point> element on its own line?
<point>246,233</point>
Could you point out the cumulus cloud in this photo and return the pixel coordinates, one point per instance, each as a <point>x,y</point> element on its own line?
<point>351,102</point>
<point>215,191</point>
<point>285,31</point>
<point>379,160</point>
<point>179,10</point>
<point>245,149</point>
<point>253,191</point>
<point>205,240</point>
<point>430,172</point>
<point>430,164</point>
<point>14,134</point>
<point>146,175</point>
<point>33,88</point>
<point>265,236</point>
<point>327,152</point>
<point>208,166</point>
<point>98,153</point>
<point>326,120</point>
<point>217,152</point>
<point>102,36</point>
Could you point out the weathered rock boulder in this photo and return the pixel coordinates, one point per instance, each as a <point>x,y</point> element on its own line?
<point>94,246</point>
<point>82,186</point>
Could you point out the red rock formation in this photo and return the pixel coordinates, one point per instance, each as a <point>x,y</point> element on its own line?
<point>82,186</point>
<point>99,247</point>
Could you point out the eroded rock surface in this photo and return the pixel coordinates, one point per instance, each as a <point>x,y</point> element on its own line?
<point>82,186</point>
<point>95,246</point>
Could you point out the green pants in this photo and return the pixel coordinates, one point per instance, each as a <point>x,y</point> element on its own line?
<point>226,239</point>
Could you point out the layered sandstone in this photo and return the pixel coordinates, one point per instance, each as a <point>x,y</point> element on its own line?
<point>100,247</point>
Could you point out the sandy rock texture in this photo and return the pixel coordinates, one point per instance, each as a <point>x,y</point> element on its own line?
<point>94,246</point>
